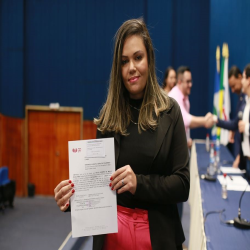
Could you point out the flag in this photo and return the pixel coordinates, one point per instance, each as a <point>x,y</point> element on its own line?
<point>216,91</point>
<point>224,97</point>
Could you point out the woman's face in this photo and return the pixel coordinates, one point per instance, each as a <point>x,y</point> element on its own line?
<point>134,66</point>
<point>171,79</point>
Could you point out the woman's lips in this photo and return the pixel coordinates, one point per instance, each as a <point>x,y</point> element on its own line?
<point>133,79</point>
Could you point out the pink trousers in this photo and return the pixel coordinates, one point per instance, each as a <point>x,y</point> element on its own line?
<point>133,231</point>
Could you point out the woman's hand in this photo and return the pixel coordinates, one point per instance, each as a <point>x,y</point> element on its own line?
<point>124,179</point>
<point>189,143</point>
<point>63,191</point>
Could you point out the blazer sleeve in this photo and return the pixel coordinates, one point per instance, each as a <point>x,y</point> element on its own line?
<point>229,125</point>
<point>174,187</point>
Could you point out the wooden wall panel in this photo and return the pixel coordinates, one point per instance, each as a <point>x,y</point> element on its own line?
<point>48,136</point>
<point>12,149</point>
<point>41,141</point>
<point>67,129</point>
<point>89,130</point>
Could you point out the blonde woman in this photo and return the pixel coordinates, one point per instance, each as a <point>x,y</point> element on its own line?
<point>151,152</point>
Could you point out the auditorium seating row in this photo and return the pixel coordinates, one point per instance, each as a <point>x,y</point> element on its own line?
<point>7,188</point>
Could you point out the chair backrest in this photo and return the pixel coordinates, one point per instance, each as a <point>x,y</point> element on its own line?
<point>4,176</point>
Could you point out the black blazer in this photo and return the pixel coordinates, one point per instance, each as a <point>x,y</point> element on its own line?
<point>233,124</point>
<point>167,184</point>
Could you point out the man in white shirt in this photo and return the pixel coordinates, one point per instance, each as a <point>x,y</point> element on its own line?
<point>243,125</point>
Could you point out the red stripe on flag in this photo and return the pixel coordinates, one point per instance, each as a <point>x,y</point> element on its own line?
<point>225,117</point>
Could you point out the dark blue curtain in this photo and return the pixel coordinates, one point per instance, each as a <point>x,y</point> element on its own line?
<point>11,58</point>
<point>190,48</point>
<point>61,50</point>
<point>69,50</point>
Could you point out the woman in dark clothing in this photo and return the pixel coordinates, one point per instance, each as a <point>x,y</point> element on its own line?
<point>151,153</point>
<point>169,79</point>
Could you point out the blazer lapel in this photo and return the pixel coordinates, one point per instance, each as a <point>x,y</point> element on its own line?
<point>164,123</point>
<point>117,146</point>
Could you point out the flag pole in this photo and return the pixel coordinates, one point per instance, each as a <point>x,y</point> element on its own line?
<point>218,59</point>
<point>216,91</point>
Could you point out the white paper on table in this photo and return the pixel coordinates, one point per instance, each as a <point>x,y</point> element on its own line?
<point>93,206</point>
<point>237,183</point>
<point>231,170</point>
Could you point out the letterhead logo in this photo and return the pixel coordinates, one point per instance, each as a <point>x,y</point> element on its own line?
<point>74,150</point>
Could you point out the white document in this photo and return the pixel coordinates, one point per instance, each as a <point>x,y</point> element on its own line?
<point>93,206</point>
<point>231,170</point>
<point>235,183</point>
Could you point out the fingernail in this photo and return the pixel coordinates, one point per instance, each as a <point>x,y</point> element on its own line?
<point>110,184</point>
<point>72,185</point>
<point>111,178</point>
<point>112,188</point>
<point>73,191</point>
<point>67,204</point>
<point>69,181</point>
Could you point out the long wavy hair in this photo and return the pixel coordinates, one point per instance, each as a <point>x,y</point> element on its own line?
<point>166,76</point>
<point>115,114</point>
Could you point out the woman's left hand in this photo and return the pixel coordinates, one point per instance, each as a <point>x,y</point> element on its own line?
<point>124,179</point>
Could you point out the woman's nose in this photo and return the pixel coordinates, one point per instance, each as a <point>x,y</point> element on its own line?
<point>131,66</point>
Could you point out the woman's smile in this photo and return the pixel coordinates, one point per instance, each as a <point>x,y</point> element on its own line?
<point>133,79</point>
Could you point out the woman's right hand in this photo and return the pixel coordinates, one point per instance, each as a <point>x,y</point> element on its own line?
<point>63,191</point>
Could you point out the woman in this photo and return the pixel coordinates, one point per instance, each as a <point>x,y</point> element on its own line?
<point>150,149</point>
<point>169,79</point>
<point>243,124</point>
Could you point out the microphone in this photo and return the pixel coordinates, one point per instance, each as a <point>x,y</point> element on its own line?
<point>240,116</point>
<point>238,221</point>
<point>208,177</point>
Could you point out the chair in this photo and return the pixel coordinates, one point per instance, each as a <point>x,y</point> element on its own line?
<point>7,188</point>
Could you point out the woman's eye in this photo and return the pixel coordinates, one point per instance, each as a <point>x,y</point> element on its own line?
<point>124,62</point>
<point>138,57</point>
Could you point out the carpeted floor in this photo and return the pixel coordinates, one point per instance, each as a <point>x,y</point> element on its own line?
<point>33,224</point>
<point>37,223</point>
<point>186,222</point>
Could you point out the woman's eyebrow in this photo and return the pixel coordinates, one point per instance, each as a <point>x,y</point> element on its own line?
<point>138,51</point>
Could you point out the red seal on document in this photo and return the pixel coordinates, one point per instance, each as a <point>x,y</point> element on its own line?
<point>74,150</point>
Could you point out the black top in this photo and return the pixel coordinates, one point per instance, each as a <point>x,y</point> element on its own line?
<point>136,151</point>
<point>167,182</point>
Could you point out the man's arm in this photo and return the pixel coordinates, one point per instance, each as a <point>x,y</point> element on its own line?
<point>229,125</point>
<point>202,121</point>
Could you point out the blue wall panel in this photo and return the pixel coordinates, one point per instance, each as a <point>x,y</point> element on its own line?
<point>160,25</point>
<point>190,47</point>
<point>69,50</point>
<point>11,66</point>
